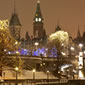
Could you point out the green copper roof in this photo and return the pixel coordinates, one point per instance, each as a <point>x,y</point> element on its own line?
<point>38,13</point>
<point>14,21</point>
<point>58,28</point>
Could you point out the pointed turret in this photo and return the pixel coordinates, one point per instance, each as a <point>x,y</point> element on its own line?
<point>14,24</point>
<point>38,15</point>
<point>78,38</point>
<point>57,28</point>
<point>27,36</point>
<point>78,34</point>
<point>14,21</point>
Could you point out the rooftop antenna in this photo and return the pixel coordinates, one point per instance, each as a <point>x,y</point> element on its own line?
<point>14,6</point>
<point>58,22</point>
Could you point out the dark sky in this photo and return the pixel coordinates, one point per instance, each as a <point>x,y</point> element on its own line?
<point>70,14</point>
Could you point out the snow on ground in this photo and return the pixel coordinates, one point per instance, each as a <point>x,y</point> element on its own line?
<point>26,74</point>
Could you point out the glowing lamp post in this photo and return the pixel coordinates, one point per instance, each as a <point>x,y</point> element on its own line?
<point>16,69</point>
<point>17,52</point>
<point>48,76</point>
<point>36,44</point>
<point>80,45</point>
<point>34,74</point>
<point>16,43</point>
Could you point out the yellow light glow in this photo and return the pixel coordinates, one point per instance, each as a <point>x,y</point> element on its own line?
<point>17,52</point>
<point>4,24</point>
<point>48,71</point>
<point>61,36</point>
<point>16,68</point>
<point>16,43</point>
<point>34,70</point>
<point>36,43</point>
<point>81,74</point>
<point>36,14</point>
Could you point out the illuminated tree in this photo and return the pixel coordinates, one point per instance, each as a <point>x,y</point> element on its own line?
<point>7,43</point>
<point>57,39</point>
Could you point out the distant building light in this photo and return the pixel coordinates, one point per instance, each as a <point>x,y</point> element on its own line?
<point>62,44</point>
<point>25,49</point>
<point>17,52</point>
<point>46,49</point>
<point>80,45</point>
<point>5,50</point>
<point>47,71</point>
<point>9,52</point>
<point>72,48</point>
<point>36,43</point>
<point>84,52</point>
<point>80,53</point>
<point>43,63</point>
<point>16,42</point>
<point>64,54</point>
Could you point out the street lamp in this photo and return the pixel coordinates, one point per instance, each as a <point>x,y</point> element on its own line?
<point>80,45</point>
<point>16,43</point>
<point>17,52</point>
<point>36,44</point>
<point>48,76</point>
<point>44,65</point>
<point>16,69</point>
<point>34,74</point>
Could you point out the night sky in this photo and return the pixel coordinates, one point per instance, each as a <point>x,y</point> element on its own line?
<point>69,13</point>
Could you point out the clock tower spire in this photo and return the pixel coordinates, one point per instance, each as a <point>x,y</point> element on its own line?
<point>38,23</point>
<point>38,15</point>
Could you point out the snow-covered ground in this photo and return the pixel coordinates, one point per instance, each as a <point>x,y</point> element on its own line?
<point>26,74</point>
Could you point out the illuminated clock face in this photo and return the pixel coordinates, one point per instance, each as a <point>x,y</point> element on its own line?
<point>39,19</point>
<point>36,19</point>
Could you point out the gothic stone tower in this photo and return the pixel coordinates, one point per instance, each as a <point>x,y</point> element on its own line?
<point>38,30</point>
<point>15,26</point>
